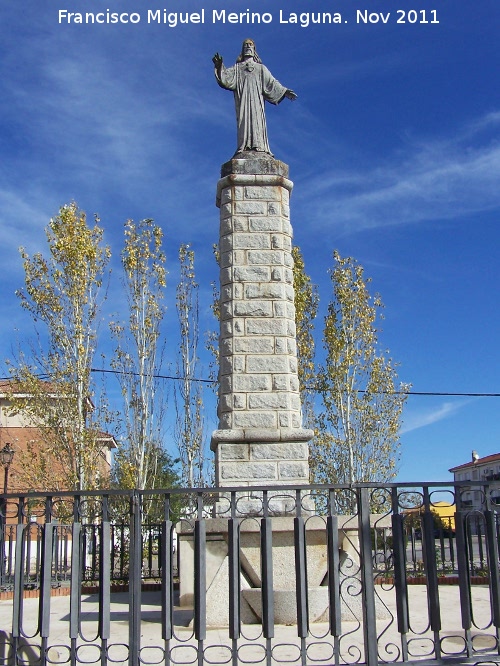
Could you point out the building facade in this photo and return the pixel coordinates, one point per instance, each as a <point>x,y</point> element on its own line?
<point>484,470</point>
<point>32,444</point>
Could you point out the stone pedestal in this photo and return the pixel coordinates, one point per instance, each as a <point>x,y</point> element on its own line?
<point>260,439</point>
<point>217,572</point>
<point>283,566</point>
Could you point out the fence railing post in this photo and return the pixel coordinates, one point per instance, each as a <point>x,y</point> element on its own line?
<point>333,559</point>
<point>135,579</point>
<point>367,583</point>
<point>18,580</point>
<point>429,556</point>
<point>301,588</point>
<point>233,533</point>
<point>104,581</point>
<point>400,583</point>
<point>463,574</point>
<point>45,578</point>
<point>200,577</point>
<point>490,518</point>
<point>167,580</point>
<point>77,564</point>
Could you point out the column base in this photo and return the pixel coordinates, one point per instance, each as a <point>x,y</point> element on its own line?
<point>256,457</point>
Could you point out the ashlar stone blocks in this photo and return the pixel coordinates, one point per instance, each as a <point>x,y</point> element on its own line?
<point>260,438</point>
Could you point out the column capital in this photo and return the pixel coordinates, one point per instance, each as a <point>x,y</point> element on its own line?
<point>251,435</point>
<point>258,180</point>
<point>254,163</point>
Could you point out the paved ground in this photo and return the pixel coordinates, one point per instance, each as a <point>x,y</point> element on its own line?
<point>251,646</point>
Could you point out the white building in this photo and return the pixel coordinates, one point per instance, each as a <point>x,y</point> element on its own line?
<point>485,470</point>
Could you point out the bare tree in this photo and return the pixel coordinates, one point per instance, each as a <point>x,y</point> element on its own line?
<point>212,336</point>
<point>358,436</point>
<point>306,308</point>
<point>53,388</point>
<point>188,393</point>
<point>138,354</point>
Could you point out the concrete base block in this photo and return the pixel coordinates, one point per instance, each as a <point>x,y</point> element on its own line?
<point>218,600</point>
<point>283,550</point>
<point>285,605</point>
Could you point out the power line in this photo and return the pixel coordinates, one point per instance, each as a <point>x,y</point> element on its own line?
<point>441,394</point>
<point>431,393</point>
<point>137,374</point>
<point>312,388</point>
<point>459,395</point>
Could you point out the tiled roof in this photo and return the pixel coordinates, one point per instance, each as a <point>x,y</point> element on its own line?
<point>11,387</point>
<point>494,457</point>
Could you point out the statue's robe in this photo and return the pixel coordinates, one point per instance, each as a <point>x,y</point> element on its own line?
<point>253,84</point>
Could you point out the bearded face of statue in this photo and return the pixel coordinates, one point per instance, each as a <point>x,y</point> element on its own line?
<point>248,49</point>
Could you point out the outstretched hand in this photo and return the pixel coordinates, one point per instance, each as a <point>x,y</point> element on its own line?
<point>291,95</point>
<point>217,60</point>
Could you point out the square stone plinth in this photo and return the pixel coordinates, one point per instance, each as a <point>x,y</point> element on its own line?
<point>255,457</point>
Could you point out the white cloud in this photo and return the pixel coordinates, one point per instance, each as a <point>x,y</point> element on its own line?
<point>22,219</point>
<point>419,420</point>
<point>426,180</point>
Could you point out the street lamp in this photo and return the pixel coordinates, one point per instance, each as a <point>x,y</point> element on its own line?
<point>6,457</point>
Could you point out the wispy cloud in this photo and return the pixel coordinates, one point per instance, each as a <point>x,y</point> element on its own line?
<point>421,419</point>
<point>22,219</point>
<point>110,134</point>
<point>426,180</point>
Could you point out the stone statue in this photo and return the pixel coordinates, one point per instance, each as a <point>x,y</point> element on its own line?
<point>253,84</point>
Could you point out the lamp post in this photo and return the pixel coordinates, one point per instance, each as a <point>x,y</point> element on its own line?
<point>6,457</point>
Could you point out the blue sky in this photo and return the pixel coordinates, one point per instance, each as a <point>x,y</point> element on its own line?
<point>393,146</point>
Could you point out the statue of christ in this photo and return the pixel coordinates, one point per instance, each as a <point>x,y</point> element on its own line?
<point>253,85</point>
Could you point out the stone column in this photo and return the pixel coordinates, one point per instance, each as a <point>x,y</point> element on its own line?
<point>260,439</point>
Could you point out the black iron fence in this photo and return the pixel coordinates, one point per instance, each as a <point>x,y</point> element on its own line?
<point>307,575</point>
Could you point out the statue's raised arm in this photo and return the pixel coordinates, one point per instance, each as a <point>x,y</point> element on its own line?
<point>253,85</point>
<point>217,60</point>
